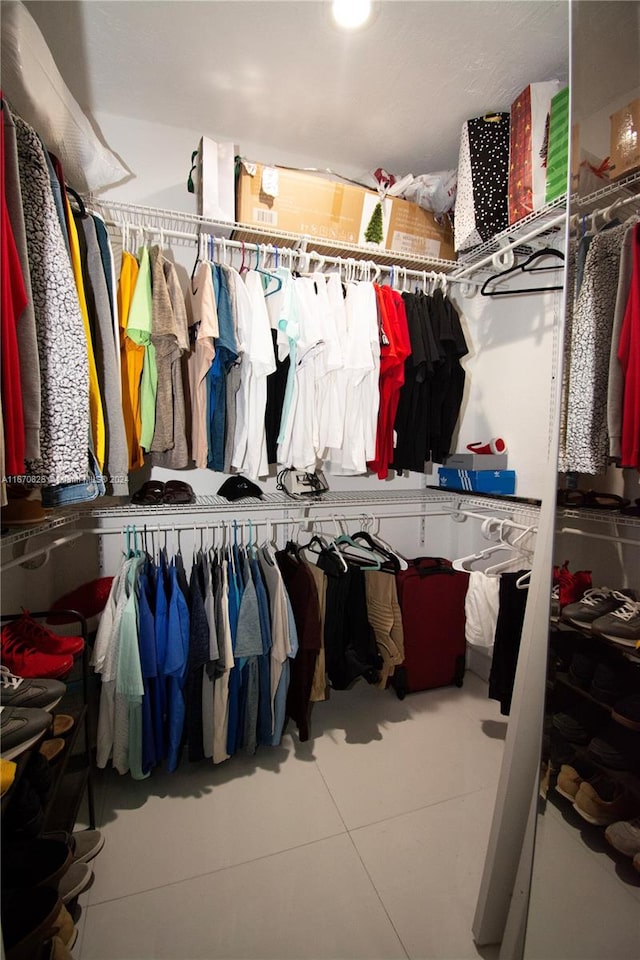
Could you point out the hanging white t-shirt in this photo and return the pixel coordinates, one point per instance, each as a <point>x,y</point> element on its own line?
<point>362,367</point>
<point>300,441</point>
<point>258,361</point>
<point>328,363</point>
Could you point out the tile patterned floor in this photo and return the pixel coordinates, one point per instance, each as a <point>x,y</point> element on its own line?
<point>366,842</point>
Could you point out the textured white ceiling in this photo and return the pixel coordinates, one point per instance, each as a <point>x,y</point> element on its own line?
<point>278,73</point>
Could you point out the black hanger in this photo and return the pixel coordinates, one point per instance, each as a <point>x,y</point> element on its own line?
<point>78,199</point>
<point>524,268</point>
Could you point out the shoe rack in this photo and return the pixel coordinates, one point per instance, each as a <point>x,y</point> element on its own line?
<point>72,769</point>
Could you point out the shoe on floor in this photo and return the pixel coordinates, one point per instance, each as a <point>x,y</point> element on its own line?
<point>603,801</point>
<point>627,712</point>
<point>624,835</point>
<point>20,728</point>
<point>87,844</point>
<point>23,692</point>
<point>74,881</point>
<point>36,635</point>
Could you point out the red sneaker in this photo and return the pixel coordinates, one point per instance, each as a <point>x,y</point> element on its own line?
<point>24,661</point>
<point>37,636</point>
<point>574,586</point>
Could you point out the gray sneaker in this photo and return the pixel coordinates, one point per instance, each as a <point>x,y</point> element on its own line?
<point>20,728</point>
<point>596,603</point>
<point>621,625</point>
<point>22,692</point>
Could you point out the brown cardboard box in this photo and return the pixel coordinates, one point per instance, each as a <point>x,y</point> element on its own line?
<point>337,212</point>
<point>625,139</point>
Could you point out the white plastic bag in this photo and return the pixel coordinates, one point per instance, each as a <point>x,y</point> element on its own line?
<point>435,192</point>
<point>33,86</point>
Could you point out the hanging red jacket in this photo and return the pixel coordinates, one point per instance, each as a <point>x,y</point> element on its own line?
<point>13,300</point>
<point>629,357</point>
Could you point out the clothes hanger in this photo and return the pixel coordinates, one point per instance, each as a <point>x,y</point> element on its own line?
<point>78,199</point>
<point>356,553</point>
<point>520,553</point>
<point>268,274</point>
<point>524,268</point>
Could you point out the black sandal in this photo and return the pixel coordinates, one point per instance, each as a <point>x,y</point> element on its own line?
<point>150,492</point>
<point>572,499</point>
<point>605,501</point>
<point>177,491</point>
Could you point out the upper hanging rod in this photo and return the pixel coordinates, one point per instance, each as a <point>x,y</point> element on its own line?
<point>607,213</point>
<point>504,257</point>
<point>398,274</point>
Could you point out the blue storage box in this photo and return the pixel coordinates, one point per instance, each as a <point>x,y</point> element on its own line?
<point>480,481</point>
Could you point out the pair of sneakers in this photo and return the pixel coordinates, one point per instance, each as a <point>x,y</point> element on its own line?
<point>30,650</point>
<point>25,710</point>
<point>613,614</point>
<point>567,588</point>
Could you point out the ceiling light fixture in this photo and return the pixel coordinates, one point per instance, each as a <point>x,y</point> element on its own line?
<point>351,14</point>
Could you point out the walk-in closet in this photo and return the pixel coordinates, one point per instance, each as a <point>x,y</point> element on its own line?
<point>285,405</point>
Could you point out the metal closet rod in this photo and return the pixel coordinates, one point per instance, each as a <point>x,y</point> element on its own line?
<point>495,259</point>
<point>598,536</point>
<point>269,521</point>
<point>395,270</point>
<point>403,273</point>
<point>607,213</point>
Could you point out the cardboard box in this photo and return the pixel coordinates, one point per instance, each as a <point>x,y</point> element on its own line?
<point>480,481</point>
<point>625,139</point>
<point>477,461</point>
<point>337,212</point>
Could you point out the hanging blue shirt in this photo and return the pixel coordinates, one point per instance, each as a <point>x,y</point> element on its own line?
<point>226,354</point>
<point>148,662</point>
<point>265,720</point>
<point>176,665</point>
<point>159,706</point>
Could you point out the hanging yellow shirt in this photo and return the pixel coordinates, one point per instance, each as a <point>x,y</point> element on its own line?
<point>96,411</point>
<point>131,362</point>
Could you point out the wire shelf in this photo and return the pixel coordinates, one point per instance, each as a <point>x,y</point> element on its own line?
<point>154,218</point>
<point>35,529</point>
<point>542,219</point>
<point>273,501</point>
